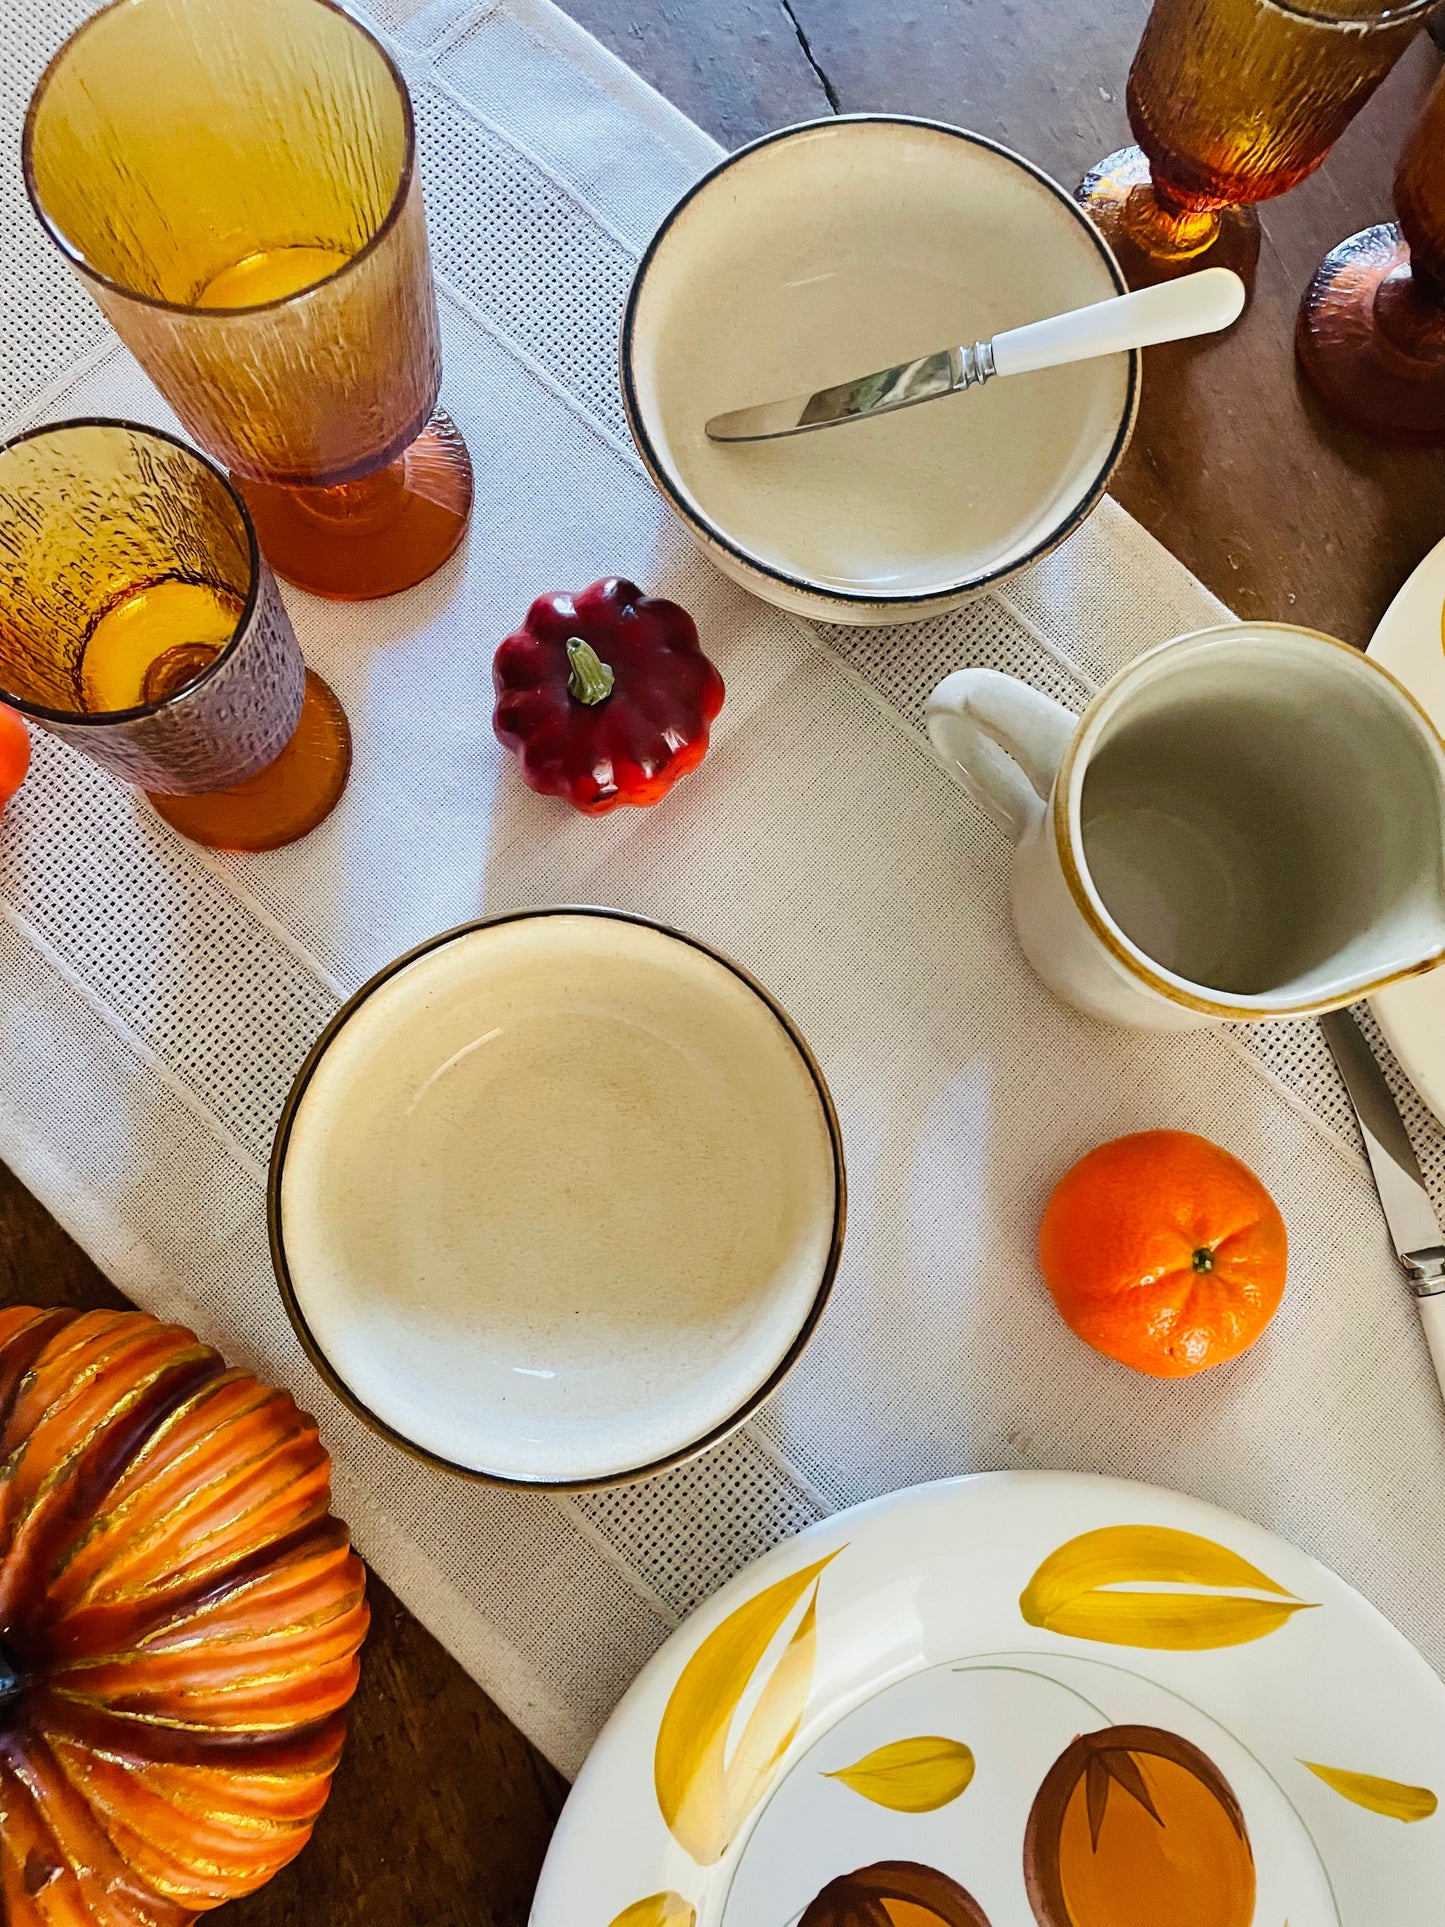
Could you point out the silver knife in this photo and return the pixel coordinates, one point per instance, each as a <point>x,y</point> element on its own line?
<point>1414,1228</point>
<point>1195,304</point>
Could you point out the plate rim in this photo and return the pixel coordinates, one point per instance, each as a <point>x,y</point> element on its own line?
<point>1428,571</point>
<point>678,1648</point>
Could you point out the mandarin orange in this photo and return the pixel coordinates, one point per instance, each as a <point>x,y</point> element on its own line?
<point>14,753</point>
<point>1164,1251</point>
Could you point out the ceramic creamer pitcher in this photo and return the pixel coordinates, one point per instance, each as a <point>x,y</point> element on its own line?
<point>1245,823</point>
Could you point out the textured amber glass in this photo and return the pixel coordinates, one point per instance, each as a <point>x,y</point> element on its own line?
<point>235,182</point>
<point>91,513</point>
<point>1371,334</point>
<point>1233,102</point>
<point>1237,100</point>
<point>104,521</point>
<point>1420,196</point>
<point>171,140</point>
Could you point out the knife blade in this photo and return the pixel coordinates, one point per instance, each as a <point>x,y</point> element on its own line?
<point>947,372</point>
<point>1413,1226</point>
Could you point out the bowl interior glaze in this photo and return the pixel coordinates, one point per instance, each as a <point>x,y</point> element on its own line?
<point>831,250</point>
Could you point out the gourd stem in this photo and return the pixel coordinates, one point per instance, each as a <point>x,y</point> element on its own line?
<point>591,679</point>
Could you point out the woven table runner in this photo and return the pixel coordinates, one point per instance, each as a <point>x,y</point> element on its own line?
<point>156,1001</point>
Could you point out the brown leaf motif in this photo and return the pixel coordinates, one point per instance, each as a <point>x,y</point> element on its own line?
<point>911,1776</point>
<point>1106,1766</point>
<point>1393,1798</point>
<point>1134,1822</point>
<point>894,1893</point>
<point>1072,1592</point>
<point>704,1794</point>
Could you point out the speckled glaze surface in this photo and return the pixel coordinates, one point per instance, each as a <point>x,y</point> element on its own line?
<point>90,511</point>
<point>180,1617</point>
<point>851,244</point>
<point>557,1198</point>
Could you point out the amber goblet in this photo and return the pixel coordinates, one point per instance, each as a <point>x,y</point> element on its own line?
<point>1233,102</point>
<point>235,182</point>
<point>1371,334</point>
<point>139,623</point>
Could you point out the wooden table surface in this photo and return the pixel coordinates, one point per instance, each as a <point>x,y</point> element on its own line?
<point>441,1810</point>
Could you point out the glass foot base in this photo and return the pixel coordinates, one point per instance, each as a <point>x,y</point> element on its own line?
<point>1371,347</point>
<point>370,538</point>
<point>284,800</point>
<point>1155,243</point>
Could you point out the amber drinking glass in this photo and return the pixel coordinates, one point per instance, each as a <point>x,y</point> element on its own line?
<point>1233,102</point>
<point>235,181</point>
<point>139,623</point>
<point>1371,334</point>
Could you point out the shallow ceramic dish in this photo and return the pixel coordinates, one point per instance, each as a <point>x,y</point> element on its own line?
<point>1017,1699</point>
<point>825,251</point>
<point>557,1198</point>
<point>1410,643</point>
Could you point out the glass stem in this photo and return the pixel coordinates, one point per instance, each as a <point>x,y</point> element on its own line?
<point>1429,286</point>
<point>1164,227</point>
<point>357,506</point>
<point>1409,312</point>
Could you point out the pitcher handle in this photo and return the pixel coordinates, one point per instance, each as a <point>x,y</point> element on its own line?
<point>1004,738</point>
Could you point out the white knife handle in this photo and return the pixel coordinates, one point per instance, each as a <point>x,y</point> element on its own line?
<point>1432,1317</point>
<point>1196,304</point>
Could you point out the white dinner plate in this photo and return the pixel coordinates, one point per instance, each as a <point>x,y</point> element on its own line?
<point>1023,1699</point>
<point>1408,643</point>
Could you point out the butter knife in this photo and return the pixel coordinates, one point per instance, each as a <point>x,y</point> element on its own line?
<point>1409,1214</point>
<point>1195,304</point>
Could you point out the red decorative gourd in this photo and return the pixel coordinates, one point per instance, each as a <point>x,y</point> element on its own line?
<point>179,1616</point>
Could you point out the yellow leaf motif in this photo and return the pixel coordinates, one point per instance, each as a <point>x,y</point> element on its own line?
<point>1066,1594</point>
<point>703,1796</point>
<point>658,1910</point>
<point>911,1776</point>
<point>1390,1797</point>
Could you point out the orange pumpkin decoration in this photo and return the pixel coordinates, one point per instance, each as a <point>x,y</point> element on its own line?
<point>179,1624</point>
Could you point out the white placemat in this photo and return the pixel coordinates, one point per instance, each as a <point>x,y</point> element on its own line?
<point>154,1003</point>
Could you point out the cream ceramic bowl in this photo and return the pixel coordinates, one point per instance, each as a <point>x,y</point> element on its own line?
<point>832,249</point>
<point>557,1198</point>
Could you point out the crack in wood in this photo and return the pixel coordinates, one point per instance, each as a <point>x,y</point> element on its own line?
<point>812,58</point>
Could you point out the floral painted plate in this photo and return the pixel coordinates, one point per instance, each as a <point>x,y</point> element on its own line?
<point>1408,643</point>
<point>1025,1699</point>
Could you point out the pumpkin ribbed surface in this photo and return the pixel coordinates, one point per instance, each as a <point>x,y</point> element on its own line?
<point>180,1617</point>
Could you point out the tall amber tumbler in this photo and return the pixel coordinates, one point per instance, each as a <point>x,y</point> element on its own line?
<point>1234,102</point>
<point>1371,334</point>
<point>235,182</point>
